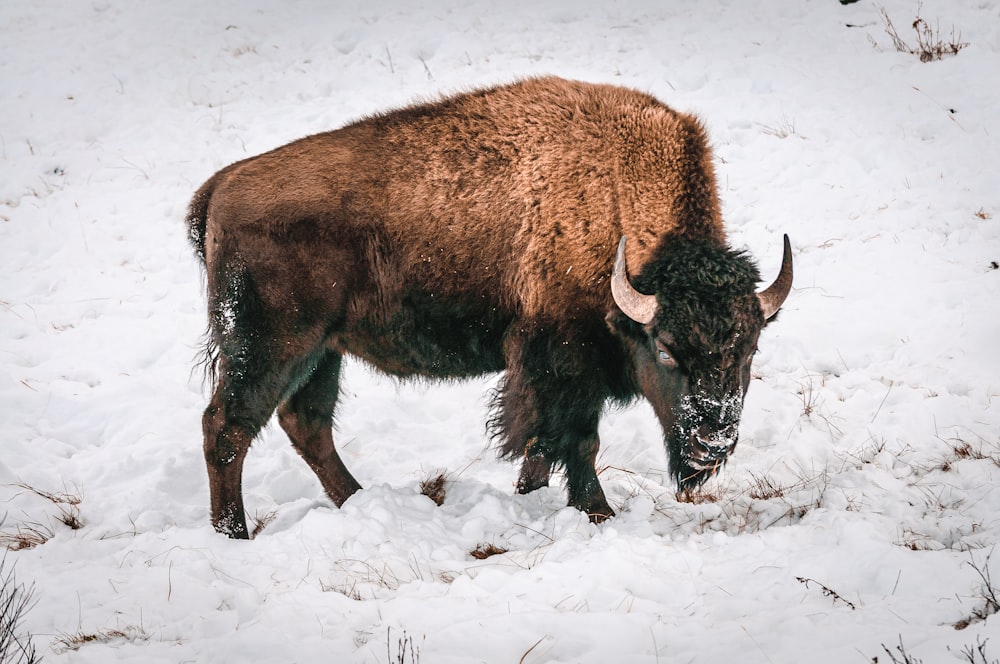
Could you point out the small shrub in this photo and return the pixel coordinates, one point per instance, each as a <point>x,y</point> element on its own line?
<point>404,646</point>
<point>15,602</point>
<point>977,654</point>
<point>988,593</point>
<point>904,657</point>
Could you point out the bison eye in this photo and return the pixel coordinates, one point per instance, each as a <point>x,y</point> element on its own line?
<point>666,359</point>
<point>663,354</point>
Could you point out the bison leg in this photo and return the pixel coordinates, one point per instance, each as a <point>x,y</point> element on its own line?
<point>585,492</point>
<point>234,417</point>
<point>260,358</point>
<point>549,417</point>
<point>307,418</point>
<point>535,471</point>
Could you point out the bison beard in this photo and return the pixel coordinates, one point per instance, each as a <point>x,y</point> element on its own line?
<point>474,235</point>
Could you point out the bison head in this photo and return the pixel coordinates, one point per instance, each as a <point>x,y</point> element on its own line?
<point>692,340</point>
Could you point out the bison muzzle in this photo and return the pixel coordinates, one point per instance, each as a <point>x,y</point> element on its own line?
<point>480,233</point>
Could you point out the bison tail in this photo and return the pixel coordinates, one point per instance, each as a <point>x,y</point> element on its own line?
<point>208,360</point>
<point>197,222</point>
<point>197,217</point>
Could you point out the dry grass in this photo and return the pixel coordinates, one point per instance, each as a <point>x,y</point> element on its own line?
<point>67,502</point>
<point>262,521</point>
<point>349,591</point>
<point>130,634</point>
<point>34,533</point>
<point>737,508</point>
<point>698,495</point>
<point>60,498</point>
<point>963,450</point>
<point>351,576</point>
<point>484,551</point>
<point>781,129</point>
<point>826,591</point>
<point>812,403</point>
<point>764,488</point>
<point>434,488</point>
<point>27,536</point>
<point>930,44</point>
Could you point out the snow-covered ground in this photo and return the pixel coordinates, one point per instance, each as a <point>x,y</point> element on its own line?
<point>861,506</point>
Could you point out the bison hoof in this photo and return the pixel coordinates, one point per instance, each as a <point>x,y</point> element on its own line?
<point>231,524</point>
<point>601,514</point>
<point>596,509</point>
<point>233,533</point>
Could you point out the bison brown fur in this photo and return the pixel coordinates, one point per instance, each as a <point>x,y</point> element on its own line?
<point>472,235</point>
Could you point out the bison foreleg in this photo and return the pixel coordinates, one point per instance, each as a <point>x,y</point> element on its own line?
<point>307,418</point>
<point>585,492</point>
<point>549,417</point>
<point>535,471</point>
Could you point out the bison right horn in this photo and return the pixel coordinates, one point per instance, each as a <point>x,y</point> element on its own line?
<point>774,296</point>
<point>639,307</point>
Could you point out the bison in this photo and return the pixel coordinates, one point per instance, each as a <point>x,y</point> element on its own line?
<point>477,234</point>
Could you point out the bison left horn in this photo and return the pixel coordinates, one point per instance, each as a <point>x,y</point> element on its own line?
<point>774,295</point>
<point>639,307</point>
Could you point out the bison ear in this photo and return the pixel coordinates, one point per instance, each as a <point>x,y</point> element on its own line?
<point>639,307</point>
<point>774,295</point>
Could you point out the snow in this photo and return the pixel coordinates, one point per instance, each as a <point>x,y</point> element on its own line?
<point>869,454</point>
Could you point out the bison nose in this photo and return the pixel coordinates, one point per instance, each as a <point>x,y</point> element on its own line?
<point>709,445</point>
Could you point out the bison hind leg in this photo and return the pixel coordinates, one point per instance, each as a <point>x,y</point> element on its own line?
<point>248,386</point>
<point>246,393</point>
<point>264,363</point>
<point>307,417</point>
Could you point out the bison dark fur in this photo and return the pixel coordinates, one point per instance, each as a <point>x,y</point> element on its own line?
<point>473,235</point>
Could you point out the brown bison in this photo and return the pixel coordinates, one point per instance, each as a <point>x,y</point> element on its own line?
<point>472,235</point>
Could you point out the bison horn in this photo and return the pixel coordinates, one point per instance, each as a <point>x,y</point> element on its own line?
<point>774,295</point>
<point>637,306</point>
